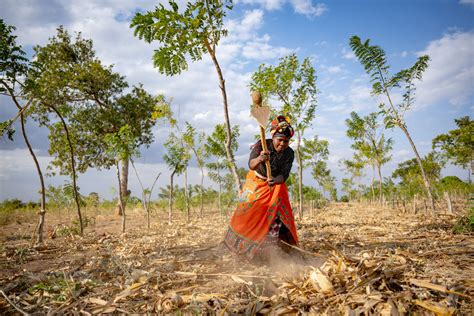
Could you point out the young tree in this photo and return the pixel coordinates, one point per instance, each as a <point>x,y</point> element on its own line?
<point>194,32</point>
<point>370,143</point>
<point>375,63</point>
<point>294,85</point>
<point>184,138</point>
<point>14,66</point>
<point>457,145</point>
<point>354,168</point>
<point>175,162</point>
<point>146,192</point>
<point>315,153</point>
<point>214,147</point>
<point>410,176</point>
<point>198,148</point>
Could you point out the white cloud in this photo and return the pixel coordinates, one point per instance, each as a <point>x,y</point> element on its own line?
<point>269,5</point>
<point>347,54</point>
<point>304,7</point>
<point>450,75</point>
<point>336,98</point>
<point>307,8</point>
<point>260,49</point>
<point>467,2</point>
<point>333,69</point>
<point>404,54</point>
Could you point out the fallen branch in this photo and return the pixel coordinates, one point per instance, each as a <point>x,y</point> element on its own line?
<point>12,304</point>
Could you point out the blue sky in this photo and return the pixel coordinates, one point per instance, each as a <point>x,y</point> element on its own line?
<point>261,32</point>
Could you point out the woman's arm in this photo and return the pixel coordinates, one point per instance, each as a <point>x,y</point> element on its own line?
<point>255,162</point>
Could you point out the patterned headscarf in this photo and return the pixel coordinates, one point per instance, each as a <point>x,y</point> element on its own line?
<point>281,127</point>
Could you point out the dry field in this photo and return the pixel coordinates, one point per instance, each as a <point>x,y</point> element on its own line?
<point>353,260</point>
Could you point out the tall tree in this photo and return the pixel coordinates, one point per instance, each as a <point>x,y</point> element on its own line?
<point>100,125</point>
<point>457,145</point>
<point>194,32</point>
<point>51,83</point>
<point>294,85</point>
<point>373,59</point>
<point>370,143</point>
<point>13,67</point>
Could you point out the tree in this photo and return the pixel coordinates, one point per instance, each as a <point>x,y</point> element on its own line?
<point>185,140</point>
<point>410,176</point>
<point>193,33</point>
<point>370,143</point>
<point>214,147</point>
<point>354,168</point>
<point>198,148</point>
<point>315,153</point>
<point>100,125</point>
<point>294,85</point>
<point>176,163</point>
<point>375,63</point>
<point>457,145</point>
<point>59,72</point>
<point>13,66</point>
<point>146,193</point>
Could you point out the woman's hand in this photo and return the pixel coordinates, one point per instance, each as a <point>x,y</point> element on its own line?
<point>264,156</point>
<point>277,180</point>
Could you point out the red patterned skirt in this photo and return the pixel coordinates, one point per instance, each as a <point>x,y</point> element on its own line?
<point>261,210</point>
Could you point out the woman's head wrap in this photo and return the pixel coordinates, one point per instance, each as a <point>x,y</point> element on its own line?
<point>281,127</point>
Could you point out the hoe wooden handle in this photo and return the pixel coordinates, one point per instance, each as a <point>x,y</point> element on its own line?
<point>257,102</point>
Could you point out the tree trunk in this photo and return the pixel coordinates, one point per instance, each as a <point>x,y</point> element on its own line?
<point>414,203</point>
<point>170,200</point>
<point>372,183</point>
<point>42,212</point>
<point>121,198</point>
<point>380,184</point>
<point>423,174</point>
<point>124,186</point>
<point>300,177</point>
<point>448,201</point>
<point>220,192</point>
<point>228,140</point>
<point>200,192</point>
<point>73,169</point>
<point>186,198</point>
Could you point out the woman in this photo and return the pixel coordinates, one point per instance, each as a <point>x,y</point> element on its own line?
<point>264,214</point>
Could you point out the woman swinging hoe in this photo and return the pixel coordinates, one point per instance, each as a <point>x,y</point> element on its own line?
<point>263,215</point>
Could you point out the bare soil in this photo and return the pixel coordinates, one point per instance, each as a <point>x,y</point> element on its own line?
<point>352,259</point>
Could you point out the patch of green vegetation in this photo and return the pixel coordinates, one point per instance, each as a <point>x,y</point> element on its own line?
<point>465,224</point>
<point>60,289</point>
<point>75,227</point>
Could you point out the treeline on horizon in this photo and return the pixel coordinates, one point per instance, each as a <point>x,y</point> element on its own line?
<point>96,120</point>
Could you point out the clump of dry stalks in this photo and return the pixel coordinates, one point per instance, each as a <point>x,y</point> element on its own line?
<point>356,264</point>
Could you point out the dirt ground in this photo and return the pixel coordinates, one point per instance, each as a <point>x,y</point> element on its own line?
<point>352,259</point>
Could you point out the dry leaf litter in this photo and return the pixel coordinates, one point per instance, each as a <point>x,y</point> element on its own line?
<point>352,260</point>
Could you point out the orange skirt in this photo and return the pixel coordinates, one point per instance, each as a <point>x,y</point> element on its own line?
<point>259,205</point>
